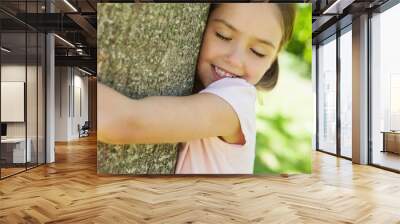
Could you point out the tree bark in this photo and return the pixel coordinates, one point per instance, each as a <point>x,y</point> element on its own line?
<point>147,50</point>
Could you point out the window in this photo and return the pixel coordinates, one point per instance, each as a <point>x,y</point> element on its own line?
<point>327,96</point>
<point>22,65</point>
<point>346,93</point>
<point>385,88</point>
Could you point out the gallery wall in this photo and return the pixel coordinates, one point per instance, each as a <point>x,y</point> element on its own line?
<point>16,73</point>
<point>71,102</point>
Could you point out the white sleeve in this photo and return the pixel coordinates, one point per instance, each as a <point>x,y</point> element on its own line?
<point>241,95</point>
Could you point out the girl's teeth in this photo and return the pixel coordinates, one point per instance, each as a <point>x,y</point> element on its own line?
<point>222,73</point>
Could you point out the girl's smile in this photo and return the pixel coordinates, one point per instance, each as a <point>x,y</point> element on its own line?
<point>238,43</point>
<point>220,73</point>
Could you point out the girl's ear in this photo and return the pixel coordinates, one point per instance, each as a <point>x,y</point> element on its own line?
<point>270,78</point>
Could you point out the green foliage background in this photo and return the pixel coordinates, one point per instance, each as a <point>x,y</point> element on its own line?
<point>300,44</point>
<point>285,114</point>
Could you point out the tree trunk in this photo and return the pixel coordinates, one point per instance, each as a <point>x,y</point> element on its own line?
<point>147,50</point>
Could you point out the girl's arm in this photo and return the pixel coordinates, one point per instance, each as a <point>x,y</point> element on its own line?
<point>163,119</point>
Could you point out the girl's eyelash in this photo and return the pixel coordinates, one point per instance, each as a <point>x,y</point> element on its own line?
<point>258,54</point>
<point>228,39</point>
<point>222,37</point>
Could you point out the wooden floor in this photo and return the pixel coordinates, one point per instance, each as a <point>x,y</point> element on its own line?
<point>387,159</point>
<point>69,191</point>
<point>10,171</point>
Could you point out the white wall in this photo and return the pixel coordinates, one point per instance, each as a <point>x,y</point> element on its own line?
<point>61,103</point>
<point>12,73</point>
<point>80,110</point>
<point>71,93</point>
<point>12,101</point>
<point>33,126</point>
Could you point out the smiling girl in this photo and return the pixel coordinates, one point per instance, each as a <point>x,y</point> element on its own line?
<point>216,125</point>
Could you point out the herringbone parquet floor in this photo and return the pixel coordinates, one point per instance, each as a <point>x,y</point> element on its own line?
<point>70,191</point>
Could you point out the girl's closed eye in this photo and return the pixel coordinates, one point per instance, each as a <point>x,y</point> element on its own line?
<point>258,54</point>
<point>222,37</point>
<point>226,38</point>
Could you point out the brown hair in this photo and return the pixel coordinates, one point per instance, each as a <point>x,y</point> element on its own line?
<point>288,14</point>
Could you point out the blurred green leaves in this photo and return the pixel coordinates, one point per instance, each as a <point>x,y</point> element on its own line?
<point>301,43</point>
<point>285,114</point>
<point>284,125</point>
<point>281,149</point>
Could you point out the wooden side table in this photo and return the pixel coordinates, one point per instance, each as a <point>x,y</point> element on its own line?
<point>391,141</point>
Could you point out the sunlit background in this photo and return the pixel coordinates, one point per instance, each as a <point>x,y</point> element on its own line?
<point>285,114</point>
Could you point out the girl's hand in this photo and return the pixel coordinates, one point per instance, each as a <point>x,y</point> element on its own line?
<point>164,119</point>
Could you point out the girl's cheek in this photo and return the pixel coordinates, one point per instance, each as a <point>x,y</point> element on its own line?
<point>208,46</point>
<point>259,73</point>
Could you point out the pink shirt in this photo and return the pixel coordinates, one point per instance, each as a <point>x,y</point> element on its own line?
<point>213,155</point>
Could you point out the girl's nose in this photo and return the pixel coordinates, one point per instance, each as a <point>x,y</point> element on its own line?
<point>235,58</point>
